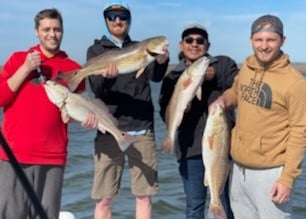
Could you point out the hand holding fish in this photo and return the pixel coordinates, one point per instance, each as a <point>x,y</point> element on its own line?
<point>111,71</point>
<point>91,122</point>
<point>32,61</point>
<point>210,73</point>
<point>220,101</point>
<point>162,58</point>
<point>280,193</point>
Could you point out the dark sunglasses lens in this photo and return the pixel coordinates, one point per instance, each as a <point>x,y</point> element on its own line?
<point>122,16</point>
<point>189,40</point>
<point>200,41</point>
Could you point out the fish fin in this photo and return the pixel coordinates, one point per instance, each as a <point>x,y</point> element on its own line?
<point>186,82</point>
<point>125,140</point>
<point>167,145</point>
<point>210,140</point>
<point>216,211</point>
<point>139,72</point>
<point>64,114</point>
<point>100,105</point>
<point>66,76</point>
<point>85,95</point>
<point>199,93</point>
<point>72,78</point>
<point>102,129</point>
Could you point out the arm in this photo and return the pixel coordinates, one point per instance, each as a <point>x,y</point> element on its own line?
<point>158,69</point>
<point>166,91</point>
<point>282,188</point>
<point>227,82</point>
<point>14,72</point>
<point>32,61</point>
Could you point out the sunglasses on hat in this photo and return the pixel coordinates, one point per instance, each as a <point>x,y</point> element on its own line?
<point>123,16</point>
<point>199,40</point>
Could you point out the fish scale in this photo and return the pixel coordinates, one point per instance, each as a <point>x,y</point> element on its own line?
<point>215,153</point>
<point>133,58</point>
<point>77,107</point>
<point>187,87</point>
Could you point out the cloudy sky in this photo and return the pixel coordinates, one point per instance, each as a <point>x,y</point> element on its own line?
<point>228,23</point>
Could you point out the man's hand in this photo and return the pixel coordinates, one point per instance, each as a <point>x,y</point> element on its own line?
<point>219,101</point>
<point>91,121</point>
<point>32,61</point>
<point>210,73</point>
<point>280,193</point>
<point>162,58</point>
<point>111,71</point>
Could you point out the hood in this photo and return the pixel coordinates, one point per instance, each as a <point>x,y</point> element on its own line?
<point>280,62</point>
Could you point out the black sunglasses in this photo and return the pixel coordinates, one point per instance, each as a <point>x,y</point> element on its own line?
<point>199,40</point>
<point>122,16</point>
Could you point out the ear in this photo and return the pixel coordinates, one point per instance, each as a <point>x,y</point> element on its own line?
<point>36,32</point>
<point>208,45</point>
<point>181,45</point>
<point>283,40</point>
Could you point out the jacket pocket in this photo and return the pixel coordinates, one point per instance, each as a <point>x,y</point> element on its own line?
<point>246,147</point>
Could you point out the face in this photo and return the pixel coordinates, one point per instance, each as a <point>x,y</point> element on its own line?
<point>118,23</point>
<point>193,47</point>
<point>49,33</point>
<point>266,46</point>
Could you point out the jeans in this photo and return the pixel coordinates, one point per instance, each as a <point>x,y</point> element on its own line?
<point>192,173</point>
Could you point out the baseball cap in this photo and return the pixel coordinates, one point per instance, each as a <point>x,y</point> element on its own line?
<point>115,5</point>
<point>195,28</point>
<point>267,23</point>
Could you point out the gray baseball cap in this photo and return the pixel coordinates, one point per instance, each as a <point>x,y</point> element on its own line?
<point>267,23</point>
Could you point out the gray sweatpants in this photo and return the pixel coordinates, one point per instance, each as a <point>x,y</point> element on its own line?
<point>250,194</point>
<point>47,183</point>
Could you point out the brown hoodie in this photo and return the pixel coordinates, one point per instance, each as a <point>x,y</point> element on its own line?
<point>270,129</point>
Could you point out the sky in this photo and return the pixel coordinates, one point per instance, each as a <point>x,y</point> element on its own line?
<point>228,23</point>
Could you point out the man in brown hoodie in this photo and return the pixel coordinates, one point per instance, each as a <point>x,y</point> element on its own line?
<point>268,141</point>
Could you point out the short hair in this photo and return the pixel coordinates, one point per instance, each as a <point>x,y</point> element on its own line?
<point>48,13</point>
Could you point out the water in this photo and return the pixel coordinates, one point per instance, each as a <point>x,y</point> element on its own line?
<point>169,203</point>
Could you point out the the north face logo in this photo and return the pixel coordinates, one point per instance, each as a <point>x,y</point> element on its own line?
<point>257,93</point>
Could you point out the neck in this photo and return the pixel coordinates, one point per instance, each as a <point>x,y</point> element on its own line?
<point>118,39</point>
<point>49,53</point>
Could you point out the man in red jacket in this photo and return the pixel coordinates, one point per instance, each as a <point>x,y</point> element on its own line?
<point>32,125</point>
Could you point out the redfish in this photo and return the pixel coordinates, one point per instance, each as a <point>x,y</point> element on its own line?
<point>215,153</point>
<point>129,59</point>
<point>77,107</point>
<point>187,87</point>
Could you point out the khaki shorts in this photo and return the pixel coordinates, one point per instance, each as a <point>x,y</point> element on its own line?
<point>109,165</point>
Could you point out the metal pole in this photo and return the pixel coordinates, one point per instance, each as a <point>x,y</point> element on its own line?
<point>22,177</point>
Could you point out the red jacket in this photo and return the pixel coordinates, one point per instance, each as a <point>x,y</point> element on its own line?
<point>32,125</point>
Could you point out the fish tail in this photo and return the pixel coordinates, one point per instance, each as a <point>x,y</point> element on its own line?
<point>72,78</point>
<point>216,211</point>
<point>167,145</point>
<point>125,140</point>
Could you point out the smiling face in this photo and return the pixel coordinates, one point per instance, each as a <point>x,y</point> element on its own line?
<point>266,46</point>
<point>193,47</point>
<point>50,34</point>
<point>118,22</point>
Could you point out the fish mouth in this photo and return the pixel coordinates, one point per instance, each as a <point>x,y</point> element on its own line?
<point>154,54</point>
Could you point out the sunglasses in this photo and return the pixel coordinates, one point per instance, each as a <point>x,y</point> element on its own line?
<point>122,16</point>
<point>199,40</point>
